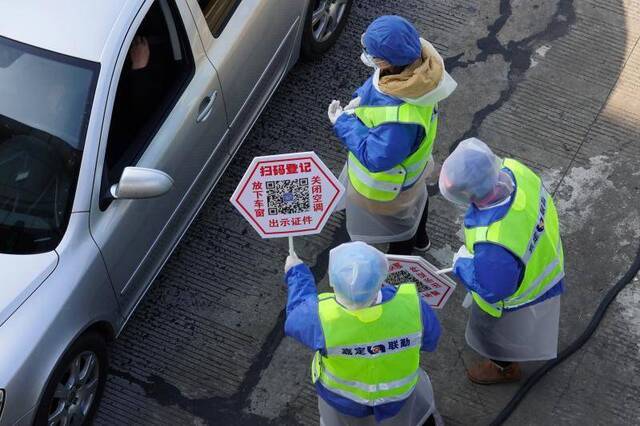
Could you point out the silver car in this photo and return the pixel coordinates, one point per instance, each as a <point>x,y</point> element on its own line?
<point>117,118</point>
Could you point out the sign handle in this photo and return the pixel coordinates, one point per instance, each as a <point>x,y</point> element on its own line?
<point>292,252</point>
<point>444,271</point>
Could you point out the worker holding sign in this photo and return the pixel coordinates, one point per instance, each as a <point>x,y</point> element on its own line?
<point>389,129</point>
<point>512,261</point>
<point>367,340</point>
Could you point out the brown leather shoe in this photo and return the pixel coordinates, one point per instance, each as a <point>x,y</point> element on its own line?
<point>488,373</point>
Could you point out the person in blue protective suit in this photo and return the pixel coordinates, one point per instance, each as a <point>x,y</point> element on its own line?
<point>389,129</point>
<point>367,339</point>
<point>512,262</point>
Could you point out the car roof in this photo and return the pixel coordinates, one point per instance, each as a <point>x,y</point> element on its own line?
<point>78,28</point>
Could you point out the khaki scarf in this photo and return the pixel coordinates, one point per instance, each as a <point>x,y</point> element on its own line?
<point>417,79</point>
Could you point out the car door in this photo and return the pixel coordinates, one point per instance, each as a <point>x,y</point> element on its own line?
<point>170,119</point>
<point>250,42</point>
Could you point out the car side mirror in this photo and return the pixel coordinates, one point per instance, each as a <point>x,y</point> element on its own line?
<point>139,182</point>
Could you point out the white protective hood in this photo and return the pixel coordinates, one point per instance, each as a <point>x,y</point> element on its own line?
<point>442,91</point>
<point>445,88</point>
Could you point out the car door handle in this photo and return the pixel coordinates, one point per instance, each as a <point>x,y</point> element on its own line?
<point>206,106</point>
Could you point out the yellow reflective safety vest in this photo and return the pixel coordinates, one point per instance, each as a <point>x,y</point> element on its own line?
<point>372,354</point>
<point>386,185</point>
<point>530,231</point>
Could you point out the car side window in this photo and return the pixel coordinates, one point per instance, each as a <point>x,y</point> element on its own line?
<point>217,13</point>
<point>158,67</point>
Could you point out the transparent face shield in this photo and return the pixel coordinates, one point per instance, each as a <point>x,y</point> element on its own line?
<point>472,174</point>
<point>502,189</point>
<point>458,196</point>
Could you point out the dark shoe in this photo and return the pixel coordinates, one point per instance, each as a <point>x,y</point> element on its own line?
<point>488,373</point>
<point>403,248</point>
<point>431,421</point>
<point>422,243</point>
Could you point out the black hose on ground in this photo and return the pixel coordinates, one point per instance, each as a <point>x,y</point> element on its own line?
<point>573,347</point>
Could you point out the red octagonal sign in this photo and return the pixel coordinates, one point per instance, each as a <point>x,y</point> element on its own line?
<point>287,194</point>
<point>435,288</point>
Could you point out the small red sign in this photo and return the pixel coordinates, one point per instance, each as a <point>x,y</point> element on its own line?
<point>435,288</point>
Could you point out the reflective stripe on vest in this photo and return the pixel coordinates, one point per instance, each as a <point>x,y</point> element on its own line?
<point>530,231</point>
<point>373,354</point>
<point>386,185</point>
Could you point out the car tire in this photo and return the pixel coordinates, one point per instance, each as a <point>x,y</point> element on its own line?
<point>76,385</point>
<point>333,14</point>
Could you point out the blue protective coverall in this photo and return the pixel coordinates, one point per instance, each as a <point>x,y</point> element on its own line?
<point>383,147</point>
<point>494,272</point>
<point>303,324</point>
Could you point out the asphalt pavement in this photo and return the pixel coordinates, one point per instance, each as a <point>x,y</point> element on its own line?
<point>554,84</point>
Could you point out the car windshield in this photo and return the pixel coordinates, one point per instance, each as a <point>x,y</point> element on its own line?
<point>45,100</point>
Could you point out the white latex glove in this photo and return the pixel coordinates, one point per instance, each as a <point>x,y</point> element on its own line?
<point>335,111</point>
<point>462,253</point>
<point>291,262</point>
<point>351,106</point>
<point>468,300</point>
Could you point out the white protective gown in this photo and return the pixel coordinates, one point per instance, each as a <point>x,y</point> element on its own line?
<point>377,222</point>
<point>416,410</point>
<point>527,334</point>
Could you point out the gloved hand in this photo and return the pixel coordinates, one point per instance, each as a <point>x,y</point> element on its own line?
<point>462,253</point>
<point>292,260</point>
<point>334,111</point>
<point>351,106</point>
<point>464,268</point>
<point>468,300</point>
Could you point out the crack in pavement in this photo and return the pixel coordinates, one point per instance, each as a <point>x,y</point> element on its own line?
<point>516,53</point>
<point>595,119</point>
<point>459,349</point>
<point>232,410</point>
<point>572,376</point>
<point>217,409</point>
